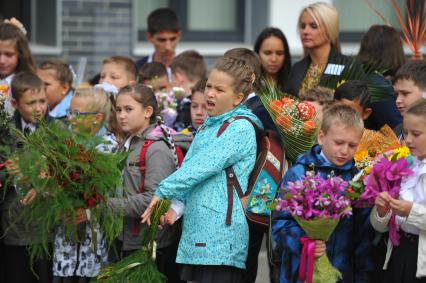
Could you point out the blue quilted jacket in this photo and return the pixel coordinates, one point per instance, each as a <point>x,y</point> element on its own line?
<point>350,244</point>
<point>201,184</point>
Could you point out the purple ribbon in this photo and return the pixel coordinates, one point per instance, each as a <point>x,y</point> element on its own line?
<point>307,259</point>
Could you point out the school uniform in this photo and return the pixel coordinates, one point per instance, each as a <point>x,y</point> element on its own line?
<point>61,110</point>
<point>211,250</point>
<point>349,246</point>
<point>20,235</point>
<point>407,262</point>
<point>149,59</point>
<point>385,110</point>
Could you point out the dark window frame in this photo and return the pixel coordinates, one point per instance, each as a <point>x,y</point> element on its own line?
<point>40,29</point>
<point>180,7</point>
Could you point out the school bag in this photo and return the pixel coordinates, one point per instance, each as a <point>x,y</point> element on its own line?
<point>178,144</point>
<point>264,180</point>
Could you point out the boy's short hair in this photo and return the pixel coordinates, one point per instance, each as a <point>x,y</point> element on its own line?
<point>162,19</point>
<point>152,70</point>
<point>249,56</point>
<point>322,95</point>
<point>354,90</point>
<point>191,64</point>
<point>414,70</point>
<point>128,63</point>
<point>23,82</point>
<point>341,113</point>
<point>200,86</point>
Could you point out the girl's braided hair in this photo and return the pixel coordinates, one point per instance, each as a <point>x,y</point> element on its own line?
<point>242,73</point>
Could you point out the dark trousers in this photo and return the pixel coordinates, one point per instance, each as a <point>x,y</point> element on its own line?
<point>252,262</point>
<point>18,267</point>
<point>402,265</point>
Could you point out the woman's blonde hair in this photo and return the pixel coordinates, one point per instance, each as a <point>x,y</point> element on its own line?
<point>325,16</point>
<point>99,100</point>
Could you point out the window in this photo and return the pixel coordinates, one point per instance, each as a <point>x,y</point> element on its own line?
<point>201,20</point>
<point>356,17</point>
<point>40,19</point>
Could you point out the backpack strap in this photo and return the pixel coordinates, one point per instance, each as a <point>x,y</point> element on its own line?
<point>231,178</point>
<point>230,120</point>
<point>142,162</point>
<point>231,183</point>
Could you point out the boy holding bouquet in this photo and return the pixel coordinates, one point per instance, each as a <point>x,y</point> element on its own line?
<point>30,103</point>
<point>348,247</point>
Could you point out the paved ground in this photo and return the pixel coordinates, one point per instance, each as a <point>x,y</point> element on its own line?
<point>263,269</point>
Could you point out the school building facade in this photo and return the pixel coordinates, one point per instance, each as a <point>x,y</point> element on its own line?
<point>83,32</point>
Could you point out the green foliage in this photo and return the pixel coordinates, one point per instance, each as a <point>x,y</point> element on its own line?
<point>68,172</point>
<point>366,73</point>
<point>139,266</point>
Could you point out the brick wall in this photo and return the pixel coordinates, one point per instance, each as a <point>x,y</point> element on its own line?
<point>95,29</point>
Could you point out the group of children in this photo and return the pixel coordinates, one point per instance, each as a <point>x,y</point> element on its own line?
<point>214,242</point>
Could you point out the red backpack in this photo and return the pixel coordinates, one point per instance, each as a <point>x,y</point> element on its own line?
<point>178,151</point>
<point>264,180</point>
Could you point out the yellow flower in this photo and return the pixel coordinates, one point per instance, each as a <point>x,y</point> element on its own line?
<point>400,152</point>
<point>361,155</point>
<point>367,170</point>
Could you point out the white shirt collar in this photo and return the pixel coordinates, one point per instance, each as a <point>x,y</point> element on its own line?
<point>29,125</point>
<point>251,95</point>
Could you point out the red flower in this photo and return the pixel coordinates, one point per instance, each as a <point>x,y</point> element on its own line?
<point>306,111</point>
<point>91,202</point>
<point>75,176</point>
<point>287,102</point>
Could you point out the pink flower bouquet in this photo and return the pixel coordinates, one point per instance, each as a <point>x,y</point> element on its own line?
<point>386,176</point>
<point>317,205</point>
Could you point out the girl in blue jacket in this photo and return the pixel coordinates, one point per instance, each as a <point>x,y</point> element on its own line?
<point>212,249</point>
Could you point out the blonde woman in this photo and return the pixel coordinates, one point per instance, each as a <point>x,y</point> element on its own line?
<point>319,33</point>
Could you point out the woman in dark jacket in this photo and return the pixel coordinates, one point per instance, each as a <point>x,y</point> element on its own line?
<point>272,47</point>
<point>319,33</point>
<point>382,46</point>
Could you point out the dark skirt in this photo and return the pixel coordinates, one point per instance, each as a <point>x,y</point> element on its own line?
<point>212,274</point>
<point>402,265</point>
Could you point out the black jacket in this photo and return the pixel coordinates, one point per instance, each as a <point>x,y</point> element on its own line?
<point>298,71</point>
<point>142,62</point>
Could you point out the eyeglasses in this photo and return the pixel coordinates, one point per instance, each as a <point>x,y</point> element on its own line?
<point>76,113</point>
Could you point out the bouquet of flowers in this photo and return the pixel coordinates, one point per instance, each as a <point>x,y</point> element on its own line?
<point>317,205</point>
<point>139,266</point>
<point>295,120</point>
<point>167,105</point>
<point>386,176</point>
<point>372,145</point>
<point>67,172</point>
